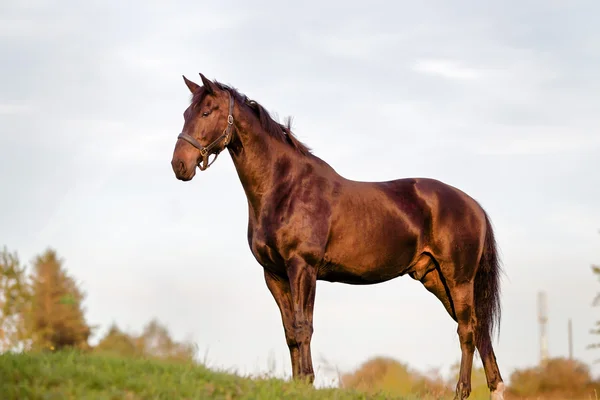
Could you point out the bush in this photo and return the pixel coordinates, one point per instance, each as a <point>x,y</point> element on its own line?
<point>558,376</point>
<point>388,376</point>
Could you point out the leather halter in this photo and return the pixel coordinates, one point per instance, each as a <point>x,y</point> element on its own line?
<point>205,152</point>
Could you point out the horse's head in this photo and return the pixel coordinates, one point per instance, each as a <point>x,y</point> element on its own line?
<point>207,128</point>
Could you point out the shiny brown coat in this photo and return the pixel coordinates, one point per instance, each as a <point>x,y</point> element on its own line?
<point>308,223</point>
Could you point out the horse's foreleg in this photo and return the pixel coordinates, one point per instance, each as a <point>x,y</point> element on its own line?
<point>280,289</point>
<point>303,284</point>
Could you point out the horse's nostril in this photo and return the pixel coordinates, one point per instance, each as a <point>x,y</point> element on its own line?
<point>180,167</point>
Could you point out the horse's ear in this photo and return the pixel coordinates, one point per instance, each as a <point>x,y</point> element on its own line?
<point>208,84</point>
<point>191,85</point>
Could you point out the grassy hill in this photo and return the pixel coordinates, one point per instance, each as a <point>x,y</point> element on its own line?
<point>69,375</point>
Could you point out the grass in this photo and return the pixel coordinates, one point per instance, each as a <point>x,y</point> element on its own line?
<point>71,375</point>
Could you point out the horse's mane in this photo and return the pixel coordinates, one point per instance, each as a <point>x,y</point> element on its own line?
<point>276,130</point>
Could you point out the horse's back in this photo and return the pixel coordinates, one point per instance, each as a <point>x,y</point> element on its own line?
<point>403,218</point>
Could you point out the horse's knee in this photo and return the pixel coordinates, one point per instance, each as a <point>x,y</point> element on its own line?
<point>303,331</point>
<point>290,337</point>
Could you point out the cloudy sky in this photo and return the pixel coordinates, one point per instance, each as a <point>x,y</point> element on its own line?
<point>500,100</point>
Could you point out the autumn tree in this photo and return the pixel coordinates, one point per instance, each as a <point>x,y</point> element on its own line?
<point>391,377</point>
<point>55,317</point>
<point>119,343</point>
<point>558,376</point>
<point>155,341</point>
<point>14,296</point>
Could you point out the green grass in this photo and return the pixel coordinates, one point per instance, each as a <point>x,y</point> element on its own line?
<point>70,375</point>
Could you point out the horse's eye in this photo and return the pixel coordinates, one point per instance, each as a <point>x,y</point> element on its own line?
<point>205,114</point>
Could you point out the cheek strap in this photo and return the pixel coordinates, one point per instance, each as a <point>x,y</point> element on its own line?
<point>205,152</point>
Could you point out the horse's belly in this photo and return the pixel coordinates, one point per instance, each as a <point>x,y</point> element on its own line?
<point>358,276</point>
<point>368,267</point>
<point>368,262</point>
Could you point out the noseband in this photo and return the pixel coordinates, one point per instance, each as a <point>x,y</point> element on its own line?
<point>205,152</point>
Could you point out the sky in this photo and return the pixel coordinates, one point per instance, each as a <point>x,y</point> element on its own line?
<point>499,99</point>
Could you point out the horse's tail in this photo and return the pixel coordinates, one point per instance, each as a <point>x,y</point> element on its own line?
<point>487,292</point>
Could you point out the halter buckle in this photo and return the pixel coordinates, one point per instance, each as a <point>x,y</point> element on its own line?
<point>204,151</point>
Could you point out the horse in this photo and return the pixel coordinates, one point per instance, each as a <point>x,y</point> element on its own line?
<point>306,223</point>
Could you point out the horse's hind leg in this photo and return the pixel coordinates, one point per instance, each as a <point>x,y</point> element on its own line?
<point>462,297</point>
<point>492,372</point>
<point>458,301</point>
<point>434,282</point>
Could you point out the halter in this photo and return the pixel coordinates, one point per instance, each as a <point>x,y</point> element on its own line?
<point>205,152</point>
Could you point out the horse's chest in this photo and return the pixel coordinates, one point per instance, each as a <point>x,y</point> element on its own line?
<point>266,253</point>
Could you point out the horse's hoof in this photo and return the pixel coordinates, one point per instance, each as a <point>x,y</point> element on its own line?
<point>462,391</point>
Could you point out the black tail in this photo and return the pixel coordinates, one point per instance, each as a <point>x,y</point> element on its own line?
<point>487,292</point>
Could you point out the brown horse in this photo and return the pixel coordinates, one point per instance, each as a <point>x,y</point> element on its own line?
<point>308,223</point>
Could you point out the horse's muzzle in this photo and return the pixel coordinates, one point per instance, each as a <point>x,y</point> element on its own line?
<point>182,172</point>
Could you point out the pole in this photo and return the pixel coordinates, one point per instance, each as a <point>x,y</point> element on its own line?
<point>570,340</point>
<point>543,320</point>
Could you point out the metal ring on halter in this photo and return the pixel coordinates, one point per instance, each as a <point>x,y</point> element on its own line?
<point>205,152</point>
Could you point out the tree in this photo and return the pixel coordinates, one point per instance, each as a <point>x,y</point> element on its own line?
<point>55,317</point>
<point>390,377</point>
<point>558,376</point>
<point>154,342</point>
<point>14,294</point>
<point>118,343</point>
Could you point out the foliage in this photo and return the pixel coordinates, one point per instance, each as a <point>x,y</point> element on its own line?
<point>569,378</point>
<point>55,318</point>
<point>119,343</point>
<point>44,311</point>
<point>154,342</point>
<point>71,375</point>
<point>390,377</point>
<point>14,296</point>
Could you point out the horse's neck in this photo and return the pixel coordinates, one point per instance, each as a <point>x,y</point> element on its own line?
<point>255,154</point>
